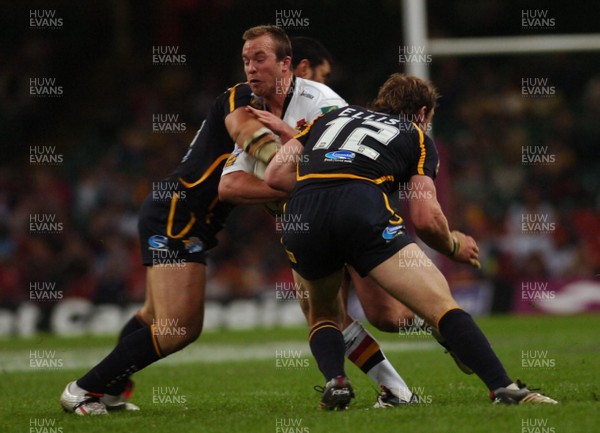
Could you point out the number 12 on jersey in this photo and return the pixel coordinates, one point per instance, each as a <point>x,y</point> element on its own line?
<point>383,133</point>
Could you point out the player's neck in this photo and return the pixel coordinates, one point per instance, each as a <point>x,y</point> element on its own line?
<point>276,102</point>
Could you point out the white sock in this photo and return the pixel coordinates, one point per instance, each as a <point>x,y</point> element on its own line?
<point>382,373</point>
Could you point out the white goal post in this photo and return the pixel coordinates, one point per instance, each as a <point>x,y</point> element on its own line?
<point>414,20</point>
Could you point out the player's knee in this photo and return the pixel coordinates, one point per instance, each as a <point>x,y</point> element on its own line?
<point>391,321</point>
<point>388,316</point>
<point>191,330</point>
<point>194,332</point>
<point>174,335</point>
<point>172,344</point>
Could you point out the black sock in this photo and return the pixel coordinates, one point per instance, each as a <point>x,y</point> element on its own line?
<point>134,352</point>
<point>132,325</point>
<point>327,346</point>
<point>472,347</point>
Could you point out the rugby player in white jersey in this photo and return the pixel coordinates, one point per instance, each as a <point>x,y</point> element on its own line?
<point>289,103</point>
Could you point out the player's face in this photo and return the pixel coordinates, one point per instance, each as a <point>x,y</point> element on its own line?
<point>321,73</point>
<point>263,70</point>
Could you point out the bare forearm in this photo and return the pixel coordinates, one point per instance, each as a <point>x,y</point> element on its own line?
<point>432,226</point>
<point>281,171</point>
<point>436,232</point>
<point>251,135</point>
<point>244,188</point>
<point>287,134</point>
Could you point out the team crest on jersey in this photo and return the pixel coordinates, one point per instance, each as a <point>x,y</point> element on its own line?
<point>340,156</point>
<point>193,245</point>
<point>158,242</point>
<point>391,231</point>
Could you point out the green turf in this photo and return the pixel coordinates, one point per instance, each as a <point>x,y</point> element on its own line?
<point>257,396</point>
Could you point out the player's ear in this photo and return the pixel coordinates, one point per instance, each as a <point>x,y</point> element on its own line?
<point>287,63</point>
<point>422,113</point>
<point>303,70</point>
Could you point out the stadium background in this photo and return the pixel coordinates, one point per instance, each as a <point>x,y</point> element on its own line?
<point>102,129</point>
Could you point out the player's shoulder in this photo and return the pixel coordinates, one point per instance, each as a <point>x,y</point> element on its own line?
<point>237,89</point>
<point>225,96</point>
<point>315,91</point>
<point>237,96</point>
<point>242,86</point>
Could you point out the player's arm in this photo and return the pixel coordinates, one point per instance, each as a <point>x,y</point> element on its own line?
<point>241,187</point>
<point>251,135</point>
<point>432,226</point>
<point>274,123</point>
<point>281,171</point>
<point>238,184</point>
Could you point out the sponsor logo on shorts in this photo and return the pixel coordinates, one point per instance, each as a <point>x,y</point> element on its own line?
<point>158,242</point>
<point>193,245</point>
<point>340,155</point>
<point>390,232</point>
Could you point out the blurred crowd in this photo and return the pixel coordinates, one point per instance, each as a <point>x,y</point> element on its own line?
<point>482,124</point>
<point>523,170</point>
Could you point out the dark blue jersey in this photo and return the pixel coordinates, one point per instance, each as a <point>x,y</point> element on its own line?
<point>200,169</point>
<point>353,143</point>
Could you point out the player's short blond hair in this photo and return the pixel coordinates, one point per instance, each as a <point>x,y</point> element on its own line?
<point>283,46</point>
<point>404,94</point>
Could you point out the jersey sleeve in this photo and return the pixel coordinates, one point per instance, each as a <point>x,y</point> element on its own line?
<point>427,163</point>
<point>239,161</point>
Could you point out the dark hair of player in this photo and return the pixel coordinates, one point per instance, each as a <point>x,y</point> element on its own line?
<point>403,94</point>
<point>283,46</point>
<point>310,49</point>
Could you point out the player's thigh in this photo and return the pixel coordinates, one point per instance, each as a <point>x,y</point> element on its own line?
<point>178,292</point>
<point>382,310</point>
<point>417,283</point>
<point>323,297</point>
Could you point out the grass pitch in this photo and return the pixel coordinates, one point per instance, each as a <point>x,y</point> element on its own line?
<point>261,381</point>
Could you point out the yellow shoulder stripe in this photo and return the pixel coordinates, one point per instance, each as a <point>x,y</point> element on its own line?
<point>232,97</point>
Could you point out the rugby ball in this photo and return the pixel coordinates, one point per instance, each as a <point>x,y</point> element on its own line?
<point>259,169</point>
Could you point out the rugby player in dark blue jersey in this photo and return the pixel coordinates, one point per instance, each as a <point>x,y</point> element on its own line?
<point>355,158</point>
<point>178,224</point>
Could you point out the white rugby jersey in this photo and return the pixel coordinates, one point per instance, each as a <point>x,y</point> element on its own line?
<point>309,100</point>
